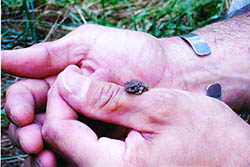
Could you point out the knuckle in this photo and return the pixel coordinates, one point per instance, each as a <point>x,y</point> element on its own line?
<point>107,97</point>
<point>13,88</point>
<point>47,54</point>
<point>20,89</point>
<point>44,48</point>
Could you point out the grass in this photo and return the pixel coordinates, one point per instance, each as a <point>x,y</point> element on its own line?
<point>26,22</point>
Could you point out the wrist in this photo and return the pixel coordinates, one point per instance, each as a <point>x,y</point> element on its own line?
<point>188,71</point>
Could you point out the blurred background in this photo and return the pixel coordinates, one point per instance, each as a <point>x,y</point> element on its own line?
<point>27,22</point>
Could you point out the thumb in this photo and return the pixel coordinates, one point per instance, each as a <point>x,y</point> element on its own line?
<point>110,103</point>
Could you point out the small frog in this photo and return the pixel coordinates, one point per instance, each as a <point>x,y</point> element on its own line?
<point>135,87</point>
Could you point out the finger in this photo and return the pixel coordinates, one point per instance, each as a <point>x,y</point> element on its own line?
<point>72,138</point>
<point>46,59</point>
<point>110,103</point>
<point>14,130</point>
<point>78,142</point>
<point>107,130</point>
<point>29,138</point>
<point>61,110</point>
<point>23,98</point>
<point>46,158</point>
<point>38,61</point>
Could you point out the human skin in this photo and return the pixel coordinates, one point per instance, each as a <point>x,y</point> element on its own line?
<point>169,127</point>
<point>101,52</point>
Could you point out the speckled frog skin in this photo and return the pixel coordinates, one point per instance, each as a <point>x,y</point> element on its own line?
<point>135,87</point>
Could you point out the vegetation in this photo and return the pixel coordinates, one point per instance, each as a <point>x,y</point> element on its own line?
<point>26,22</point>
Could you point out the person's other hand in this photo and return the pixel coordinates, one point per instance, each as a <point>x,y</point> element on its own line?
<point>168,127</point>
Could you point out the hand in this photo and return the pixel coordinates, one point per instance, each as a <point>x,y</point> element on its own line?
<point>30,140</point>
<point>102,53</point>
<point>182,70</point>
<point>105,51</point>
<point>23,98</point>
<point>168,127</point>
<point>107,54</point>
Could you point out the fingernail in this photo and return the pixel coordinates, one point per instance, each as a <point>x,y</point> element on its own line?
<point>32,161</point>
<point>29,161</point>
<point>13,135</point>
<point>9,115</point>
<point>76,83</point>
<point>38,163</point>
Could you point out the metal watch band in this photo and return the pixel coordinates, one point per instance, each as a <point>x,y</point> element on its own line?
<point>201,48</point>
<point>214,90</point>
<point>198,44</point>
